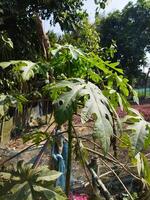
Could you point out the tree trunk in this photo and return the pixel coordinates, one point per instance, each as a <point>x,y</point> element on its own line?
<point>43,38</point>
<point>146,80</point>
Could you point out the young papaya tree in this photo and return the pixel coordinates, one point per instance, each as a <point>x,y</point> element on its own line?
<point>96,96</point>
<point>87,86</point>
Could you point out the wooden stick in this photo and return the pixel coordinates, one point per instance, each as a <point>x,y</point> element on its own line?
<point>105,191</point>
<point>115,160</point>
<point>118,179</point>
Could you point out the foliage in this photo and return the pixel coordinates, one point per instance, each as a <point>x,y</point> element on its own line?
<point>25,67</point>
<point>6,45</point>
<point>139,131</point>
<point>94,92</point>
<point>9,101</point>
<point>26,183</point>
<point>95,106</point>
<point>20,84</point>
<point>72,62</point>
<point>86,38</point>
<point>36,137</point>
<point>19,23</point>
<point>20,77</point>
<point>130,30</point>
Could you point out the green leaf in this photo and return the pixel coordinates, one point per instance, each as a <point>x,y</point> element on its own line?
<point>55,51</point>
<point>49,194</point>
<point>7,40</point>
<point>96,106</point>
<point>20,181</point>
<point>113,66</point>
<point>5,176</point>
<point>48,175</point>
<point>146,169</point>
<point>25,67</point>
<point>35,137</point>
<point>93,76</point>
<point>143,167</point>
<point>7,64</point>
<point>139,163</point>
<point>21,191</point>
<point>5,102</point>
<point>125,141</point>
<point>139,131</point>
<point>65,104</point>
<point>134,93</point>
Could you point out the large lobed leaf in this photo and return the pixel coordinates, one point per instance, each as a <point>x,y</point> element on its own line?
<point>24,182</point>
<point>96,107</point>
<point>26,68</point>
<point>139,130</point>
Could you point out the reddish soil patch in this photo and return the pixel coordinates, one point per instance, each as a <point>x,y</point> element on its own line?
<point>143,109</point>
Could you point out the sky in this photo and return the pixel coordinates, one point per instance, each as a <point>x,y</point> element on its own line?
<point>111,6</point>
<point>90,7</point>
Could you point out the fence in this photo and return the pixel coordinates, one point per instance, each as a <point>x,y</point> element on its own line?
<point>141,92</point>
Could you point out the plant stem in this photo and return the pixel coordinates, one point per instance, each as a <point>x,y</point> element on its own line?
<point>68,174</point>
<point>82,159</point>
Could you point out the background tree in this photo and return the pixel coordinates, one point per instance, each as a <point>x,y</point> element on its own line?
<point>21,21</point>
<point>86,38</point>
<point>130,30</point>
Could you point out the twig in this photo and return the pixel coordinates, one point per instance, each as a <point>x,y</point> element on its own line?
<point>83,126</point>
<point>40,155</point>
<point>17,154</point>
<point>105,192</point>
<point>84,167</point>
<point>125,169</point>
<point>105,174</point>
<point>148,154</point>
<point>113,160</point>
<point>118,178</point>
<point>49,126</point>
<point>100,155</point>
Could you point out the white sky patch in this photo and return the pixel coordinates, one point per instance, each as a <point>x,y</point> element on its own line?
<point>90,6</point>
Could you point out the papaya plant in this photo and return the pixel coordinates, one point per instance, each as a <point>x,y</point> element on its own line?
<point>86,85</point>
<point>98,101</point>
<point>24,182</point>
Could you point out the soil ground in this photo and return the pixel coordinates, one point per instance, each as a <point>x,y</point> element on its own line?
<point>78,173</point>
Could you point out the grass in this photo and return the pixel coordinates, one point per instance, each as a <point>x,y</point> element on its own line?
<point>141,92</point>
